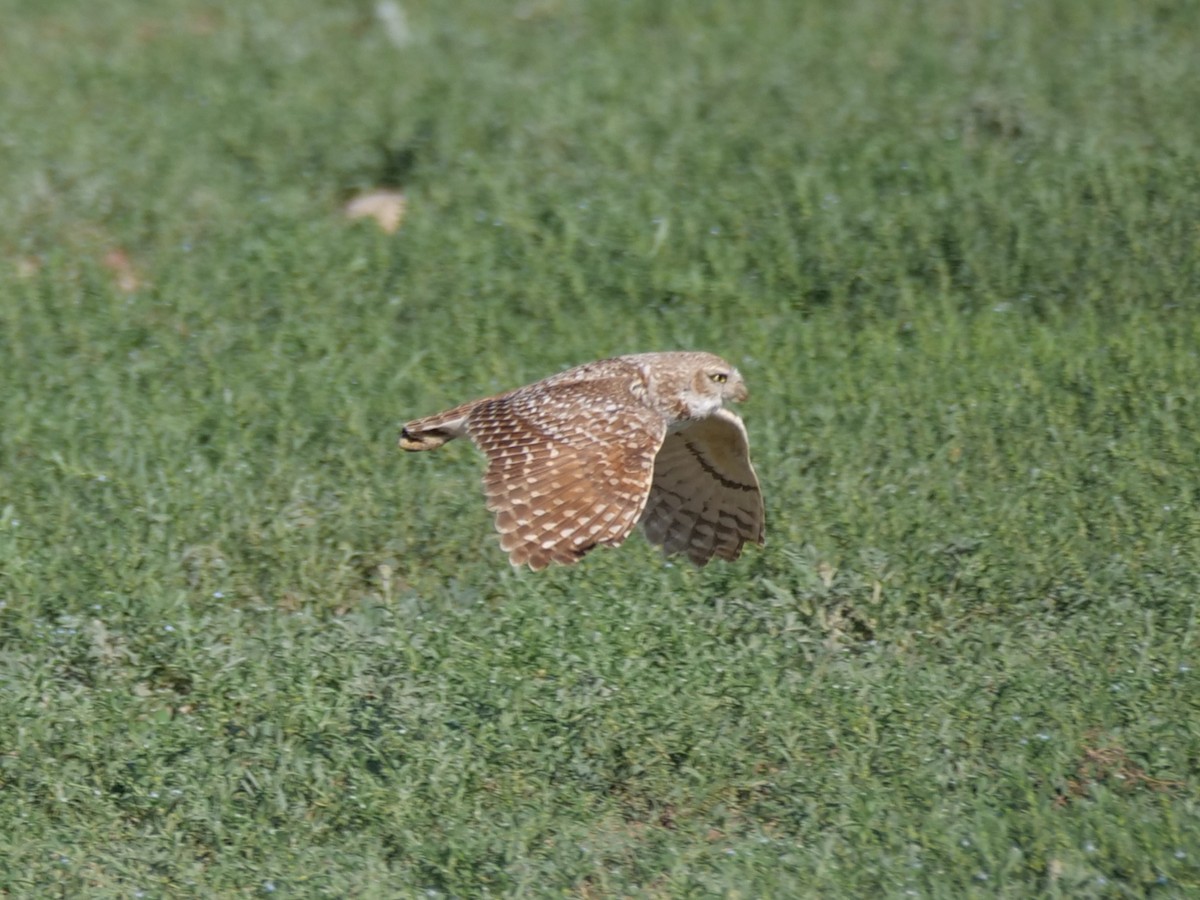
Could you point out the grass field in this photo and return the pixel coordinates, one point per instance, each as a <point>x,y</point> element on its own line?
<point>249,648</point>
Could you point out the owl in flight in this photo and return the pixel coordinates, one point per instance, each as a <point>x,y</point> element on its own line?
<point>580,458</point>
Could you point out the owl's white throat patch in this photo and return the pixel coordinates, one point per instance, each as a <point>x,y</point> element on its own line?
<point>692,409</point>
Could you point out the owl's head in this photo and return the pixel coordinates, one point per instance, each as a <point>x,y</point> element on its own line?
<point>692,385</point>
<point>716,381</point>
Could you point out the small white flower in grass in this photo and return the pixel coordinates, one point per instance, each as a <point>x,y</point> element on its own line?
<point>1043,736</point>
<point>219,595</point>
<point>1101,880</point>
<point>268,887</point>
<point>394,23</point>
<point>168,628</point>
<point>1179,854</point>
<point>1089,847</point>
<point>981,876</point>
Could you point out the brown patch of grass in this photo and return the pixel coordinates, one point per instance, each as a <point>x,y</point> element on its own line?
<point>1110,764</point>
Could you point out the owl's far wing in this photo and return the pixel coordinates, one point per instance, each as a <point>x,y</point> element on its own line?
<point>569,466</point>
<point>705,500</point>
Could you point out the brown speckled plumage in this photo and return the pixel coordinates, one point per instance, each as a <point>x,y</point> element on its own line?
<point>578,459</point>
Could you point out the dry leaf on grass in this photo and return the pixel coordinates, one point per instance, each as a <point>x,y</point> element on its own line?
<point>125,274</point>
<point>27,266</point>
<point>384,206</point>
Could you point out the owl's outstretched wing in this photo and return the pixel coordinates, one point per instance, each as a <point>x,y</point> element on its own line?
<point>569,465</point>
<point>705,499</point>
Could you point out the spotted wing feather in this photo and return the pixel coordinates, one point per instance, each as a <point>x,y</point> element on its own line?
<point>704,499</point>
<point>569,466</point>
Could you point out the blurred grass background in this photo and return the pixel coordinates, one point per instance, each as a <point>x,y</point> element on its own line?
<point>248,648</point>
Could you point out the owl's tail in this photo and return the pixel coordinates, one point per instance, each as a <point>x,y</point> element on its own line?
<point>431,432</point>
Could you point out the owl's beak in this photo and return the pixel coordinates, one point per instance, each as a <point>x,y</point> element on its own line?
<point>739,392</point>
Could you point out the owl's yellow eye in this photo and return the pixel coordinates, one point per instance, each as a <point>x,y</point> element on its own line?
<point>719,377</point>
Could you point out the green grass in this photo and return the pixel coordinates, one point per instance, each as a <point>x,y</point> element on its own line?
<point>249,648</point>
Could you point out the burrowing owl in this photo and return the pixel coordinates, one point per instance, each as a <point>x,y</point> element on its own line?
<point>580,458</point>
